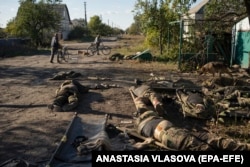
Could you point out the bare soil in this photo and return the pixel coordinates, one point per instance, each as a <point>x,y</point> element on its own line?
<point>29,130</point>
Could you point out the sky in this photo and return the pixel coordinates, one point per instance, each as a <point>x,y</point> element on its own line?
<point>115,13</point>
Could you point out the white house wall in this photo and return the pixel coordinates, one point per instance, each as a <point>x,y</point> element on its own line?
<point>243,25</point>
<point>65,24</point>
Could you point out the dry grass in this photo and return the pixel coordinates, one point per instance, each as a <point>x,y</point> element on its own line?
<point>129,45</point>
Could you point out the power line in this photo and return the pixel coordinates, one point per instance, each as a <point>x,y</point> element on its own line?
<point>85,14</point>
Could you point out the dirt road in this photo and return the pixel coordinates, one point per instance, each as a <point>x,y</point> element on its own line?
<point>28,129</point>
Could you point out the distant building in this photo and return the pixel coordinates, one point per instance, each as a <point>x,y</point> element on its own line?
<point>233,48</point>
<point>195,14</point>
<point>66,24</point>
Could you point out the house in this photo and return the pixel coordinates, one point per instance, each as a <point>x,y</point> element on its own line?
<point>194,32</point>
<point>241,43</point>
<point>66,24</point>
<point>197,12</point>
<point>234,47</point>
<point>194,14</point>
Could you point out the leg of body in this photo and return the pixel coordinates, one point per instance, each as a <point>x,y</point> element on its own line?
<point>220,143</point>
<point>181,139</point>
<point>156,101</point>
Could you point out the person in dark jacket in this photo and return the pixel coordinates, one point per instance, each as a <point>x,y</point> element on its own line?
<point>54,47</point>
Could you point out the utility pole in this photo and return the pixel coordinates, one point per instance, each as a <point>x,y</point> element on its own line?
<point>85,14</point>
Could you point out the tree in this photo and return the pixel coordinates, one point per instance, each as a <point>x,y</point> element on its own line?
<point>79,30</point>
<point>223,14</point>
<point>154,17</point>
<point>78,22</point>
<point>247,5</point>
<point>245,2</point>
<point>2,33</point>
<point>95,25</point>
<point>133,29</point>
<point>33,20</point>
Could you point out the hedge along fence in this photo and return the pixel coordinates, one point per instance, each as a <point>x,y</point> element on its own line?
<point>14,46</point>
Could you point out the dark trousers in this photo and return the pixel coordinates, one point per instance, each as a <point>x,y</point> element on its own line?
<point>53,52</point>
<point>97,47</point>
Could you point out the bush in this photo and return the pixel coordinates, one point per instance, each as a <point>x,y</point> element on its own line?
<point>78,33</point>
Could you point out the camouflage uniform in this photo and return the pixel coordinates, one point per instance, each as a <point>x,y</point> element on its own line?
<point>150,124</point>
<point>195,104</point>
<point>67,96</point>
<point>234,102</point>
<point>116,57</point>
<point>66,75</point>
<point>147,95</point>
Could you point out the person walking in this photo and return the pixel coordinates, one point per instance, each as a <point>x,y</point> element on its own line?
<point>97,43</point>
<point>54,47</point>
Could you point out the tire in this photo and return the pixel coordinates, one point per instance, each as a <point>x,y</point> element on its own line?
<point>63,55</point>
<point>91,50</point>
<point>66,55</point>
<point>106,50</point>
<point>60,56</point>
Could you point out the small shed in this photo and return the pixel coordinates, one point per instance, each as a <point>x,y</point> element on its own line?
<point>241,43</point>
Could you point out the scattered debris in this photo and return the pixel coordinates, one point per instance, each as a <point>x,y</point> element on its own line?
<point>145,55</point>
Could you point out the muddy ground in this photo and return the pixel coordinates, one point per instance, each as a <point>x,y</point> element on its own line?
<point>29,130</point>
